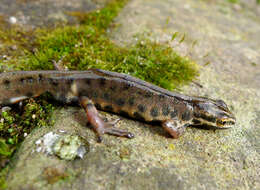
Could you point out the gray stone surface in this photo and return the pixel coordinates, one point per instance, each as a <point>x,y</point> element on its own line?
<point>42,13</point>
<point>228,41</point>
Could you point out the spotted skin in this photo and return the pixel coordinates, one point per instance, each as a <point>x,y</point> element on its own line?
<point>117,93</point>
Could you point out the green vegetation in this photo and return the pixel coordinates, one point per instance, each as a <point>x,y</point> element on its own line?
<point>233,1</point>
<point>147,60</point>
<point>87,46</point>
<point>79,48</point>
<point>15,125</point>
<point>237,1</point>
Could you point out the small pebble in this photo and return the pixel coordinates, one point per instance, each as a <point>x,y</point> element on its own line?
<point>12,20</point>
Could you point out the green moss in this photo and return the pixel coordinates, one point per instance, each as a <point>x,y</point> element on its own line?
<point>15,42</point>
<point>237,1</point>
<point>15,124</point>
<point>3,174</point>
<point>233,1</point>
<point>87,46</point>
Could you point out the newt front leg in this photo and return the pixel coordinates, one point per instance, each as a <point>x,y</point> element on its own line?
<point>100,126</point>
<point>174,127</point>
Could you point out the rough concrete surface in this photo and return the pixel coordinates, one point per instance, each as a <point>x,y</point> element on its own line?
<point>228,49</point>
<point>42,13</point>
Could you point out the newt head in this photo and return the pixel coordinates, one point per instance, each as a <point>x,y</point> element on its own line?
<point>212,113</point>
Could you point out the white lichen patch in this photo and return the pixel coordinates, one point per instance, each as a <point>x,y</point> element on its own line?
<point>65,146</point>
<point>45,143</point>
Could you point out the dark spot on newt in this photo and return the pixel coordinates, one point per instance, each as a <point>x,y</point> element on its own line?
<point>83,92</point>
<point>98,106</point>
<point>161,97</point>
<point>138,116</point>
<point>53,82</point>
<point>148,95</point>
<point>140,92</point>
<point>205,117</point>
<point>120,102</point>
<point>40,77</point>
<point>165,110</point>
<point>106,96</point>
<point>94,94</point>
<point>22,80</point>
<point>141,108</point>
<point>29,94</point>
<point>87,81</point>
<point>102,81</point>
<point>113,88</point>
<point>126,86</point>
<point>154,112</point>
<point>29,79</point>
<point>6,83</point>
<point>176,101</point>
<point>196,121</point>
<point>174,114</point>
<point>108,108</point>
<point>69,81</point>
<point>197,115</point>
<point>186,116</point>
<point>131,101</point>
<point>211,119</point>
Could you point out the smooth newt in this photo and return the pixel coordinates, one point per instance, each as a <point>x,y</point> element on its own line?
<point>117,93</point>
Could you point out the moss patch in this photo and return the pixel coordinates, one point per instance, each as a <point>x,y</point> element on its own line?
<point>81,47</point>
<point>233,1</point>
<point>150,61</point>
<point>237,1</point>
<point>87,46</point>
<point>17,123</point>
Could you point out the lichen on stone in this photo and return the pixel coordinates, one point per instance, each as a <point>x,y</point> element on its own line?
<point>69,147</point>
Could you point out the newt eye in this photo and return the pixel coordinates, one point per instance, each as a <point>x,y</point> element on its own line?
<point>224,122</point>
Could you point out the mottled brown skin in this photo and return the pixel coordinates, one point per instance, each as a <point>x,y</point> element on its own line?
<point>117,93</point>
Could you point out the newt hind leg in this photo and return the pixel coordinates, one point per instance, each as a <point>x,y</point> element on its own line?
<point>100,126</point>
